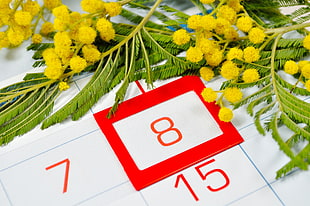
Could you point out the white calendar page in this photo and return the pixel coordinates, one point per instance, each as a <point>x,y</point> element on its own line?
<point>73,163</point>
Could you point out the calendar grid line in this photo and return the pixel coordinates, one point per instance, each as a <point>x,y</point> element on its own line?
<point>143,198</point>
<point>55,147</point>
<point>246,195</point>
<point>101,193</point>
<point>6,193</point>
<point>261,174</point>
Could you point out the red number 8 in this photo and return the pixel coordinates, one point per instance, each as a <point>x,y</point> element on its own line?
<point>170,128</point>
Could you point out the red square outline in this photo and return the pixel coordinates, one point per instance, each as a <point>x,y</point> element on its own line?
<point>143,178</point>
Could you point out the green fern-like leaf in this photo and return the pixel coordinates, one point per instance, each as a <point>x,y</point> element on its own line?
<point>299,161</point>
<point>24,117</point>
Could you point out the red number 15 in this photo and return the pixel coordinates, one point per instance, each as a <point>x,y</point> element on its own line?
<point>203,177</point>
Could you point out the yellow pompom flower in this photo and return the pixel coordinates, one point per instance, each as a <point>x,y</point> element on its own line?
<point>77,64</point>
<point>221,25</point>
<point>63,86</point>
<point>215,58</point>
<point>225,114</point>
<point>60,25</point>
<point>113,8</point>
<point>36,38</point>
<point>62,39</point>
<point>305,71</point>
<point>53,72</point>
<point>207,46</point>
<point>227,13</point>
<point>291,67</point>
<point>302,63</point>
<point>244,23</point>
<point>51,4</point>
<point>181,37</point>
<point>231,33</point>
<point>194,54</point>
<point>234,53</point>
<point>207,1</point>
<point>87,35</point>
<point>32,7</point>
<point>307,85</point>
<point>209,95</point>
<point>49,55</point>
<point>107,36</point>
<point>250,75</point>
<point>62,13</point>
<point>235,4</point>
<point>229,70</point>
<point>206,73</point>
<point>233,94</point>
<point>251,54</point>
<point>105,28</point>
<point>92,6</point>
<point>306,42</point>
<point>64,53</point>
<point>256,35</point>
<point>194,22</point>
<point>15,38</point>
<point>22,18</point>
<point>91,53</point>
<point>46,28</point>
<point>4,42</point>
<point>208,22</point>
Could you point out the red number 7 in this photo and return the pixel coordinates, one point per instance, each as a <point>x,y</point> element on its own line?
<point>204,176</point>
<point>67,162</point>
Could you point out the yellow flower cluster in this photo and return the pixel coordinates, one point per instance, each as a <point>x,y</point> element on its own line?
<point>63,86</point>
<point>74,36</point>
<point>73,33</point>
<point>212,35</point>
<point>16,19</point>
<point>301,68</point>
<point>214,31</point>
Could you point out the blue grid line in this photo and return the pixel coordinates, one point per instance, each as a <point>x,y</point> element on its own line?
<point>246,195</point>
<point>6,193</point>
<point>261,174</point>
<point>143,198</point>
<point>100,193</point>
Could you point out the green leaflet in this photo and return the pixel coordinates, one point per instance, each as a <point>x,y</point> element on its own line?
<point>100,79</point>
<point>296,138</point>
<point>296,162</point>
<point>36,111</point>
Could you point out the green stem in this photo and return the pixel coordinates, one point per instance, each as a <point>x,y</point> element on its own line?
<point>26,90</point>
<point>287,29</point>
<point>125,2</point>
<point>272,71</point>
<point>135,31</point>
<point>218,7</point>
